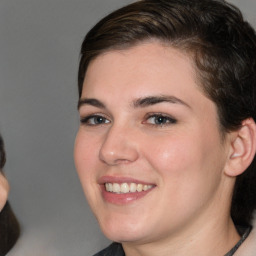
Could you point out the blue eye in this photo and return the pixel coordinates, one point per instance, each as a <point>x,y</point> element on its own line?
<point>94,120</point>
<point>160,120</point>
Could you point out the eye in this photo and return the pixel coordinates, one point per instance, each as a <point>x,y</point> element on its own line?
<point>161,120</point>
<point>94,120</point>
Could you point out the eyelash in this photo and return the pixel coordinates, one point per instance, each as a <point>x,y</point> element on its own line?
<point>86,120</point>
<point>166,120</point>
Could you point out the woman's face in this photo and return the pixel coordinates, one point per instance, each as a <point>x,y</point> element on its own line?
<point>148,151</point>
<point>4,189</point>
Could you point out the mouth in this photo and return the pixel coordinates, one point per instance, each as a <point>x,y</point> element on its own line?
<point>120,191</point>
<point>124,188</point>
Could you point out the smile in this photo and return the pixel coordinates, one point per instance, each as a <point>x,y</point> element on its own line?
<point>123,188</point>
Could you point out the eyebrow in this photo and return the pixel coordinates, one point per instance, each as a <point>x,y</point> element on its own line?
<point>92,102</point>
<point>141,102</point>
<point>152,100</point>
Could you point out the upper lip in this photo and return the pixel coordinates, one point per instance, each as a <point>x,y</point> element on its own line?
<point>116,179</point>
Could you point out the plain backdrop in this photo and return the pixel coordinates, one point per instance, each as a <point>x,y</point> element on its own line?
<point>39,55</point>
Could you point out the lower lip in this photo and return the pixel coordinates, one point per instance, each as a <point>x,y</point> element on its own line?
<point>121,199</point>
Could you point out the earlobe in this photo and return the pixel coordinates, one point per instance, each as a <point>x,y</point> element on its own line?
<point>243,147</point>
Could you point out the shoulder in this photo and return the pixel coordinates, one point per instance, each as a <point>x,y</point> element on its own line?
<point>115,249</point>
<point>248,248</point>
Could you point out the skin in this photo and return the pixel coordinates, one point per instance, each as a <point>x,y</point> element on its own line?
<point>185,159</point>
<point>4,190</point>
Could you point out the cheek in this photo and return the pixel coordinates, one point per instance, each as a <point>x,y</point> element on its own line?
<point>186,162</point>
<point>168,156</point>
<point>85,151</point>
<point>84,157</point>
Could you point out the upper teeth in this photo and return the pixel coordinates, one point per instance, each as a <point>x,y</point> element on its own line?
<point>126,188</point>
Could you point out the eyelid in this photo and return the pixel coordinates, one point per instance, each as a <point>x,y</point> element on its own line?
<point>170,118</point>
<point>84,119</point>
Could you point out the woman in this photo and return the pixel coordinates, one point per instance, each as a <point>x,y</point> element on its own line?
<point>4,185</point>
<point>166,147</point>
<point>9,226</point>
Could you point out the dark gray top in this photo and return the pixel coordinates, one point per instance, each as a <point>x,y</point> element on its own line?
<point>244,233</point>
<point>115,249</point>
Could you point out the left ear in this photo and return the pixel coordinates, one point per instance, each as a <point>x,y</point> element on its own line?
<point>242,148</point>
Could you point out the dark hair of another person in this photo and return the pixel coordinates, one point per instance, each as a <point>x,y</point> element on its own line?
<point>9,226</point>
<point>222,46</point>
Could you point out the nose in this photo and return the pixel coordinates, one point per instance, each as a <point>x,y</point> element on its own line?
<point>119,146</point>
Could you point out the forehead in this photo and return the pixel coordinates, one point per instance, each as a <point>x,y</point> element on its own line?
<point>144,64</point>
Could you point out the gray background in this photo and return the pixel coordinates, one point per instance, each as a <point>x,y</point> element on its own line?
<point>39,54</point>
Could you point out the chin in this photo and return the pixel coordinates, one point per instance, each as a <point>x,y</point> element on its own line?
<point>122,236</point>
<point>120,230</point>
